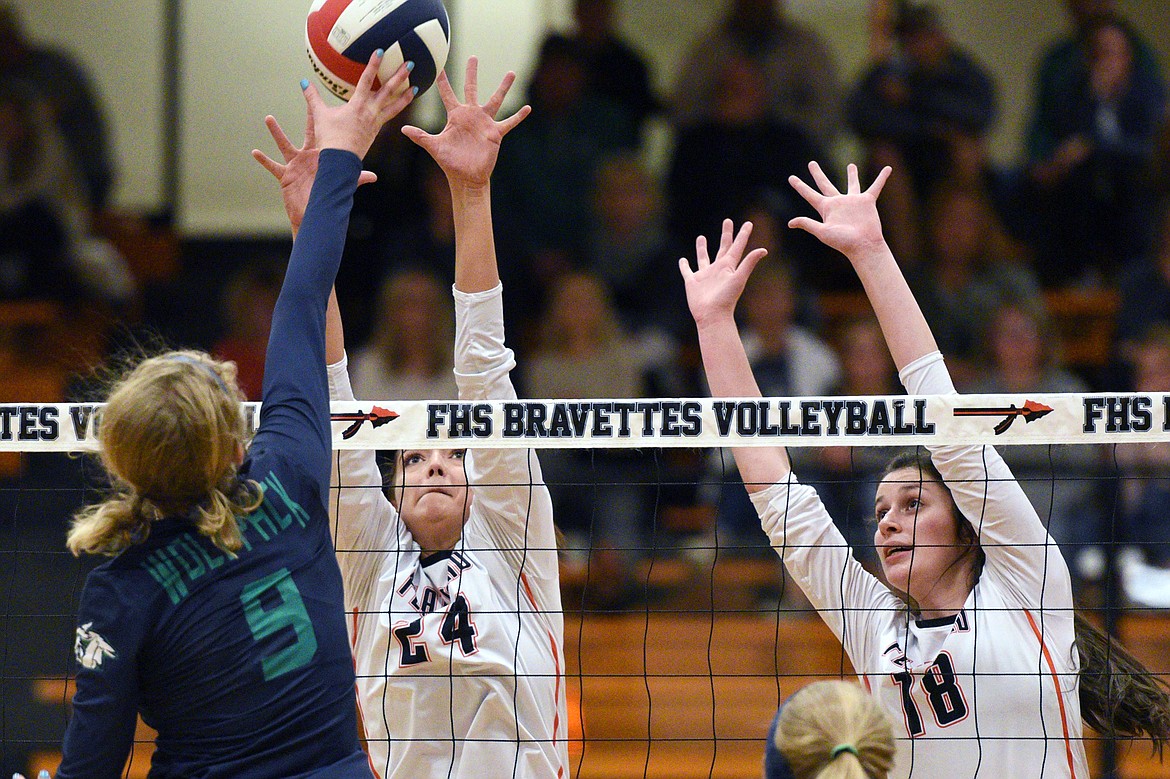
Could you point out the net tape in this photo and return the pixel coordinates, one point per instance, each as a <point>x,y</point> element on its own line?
<point>1053,418</point>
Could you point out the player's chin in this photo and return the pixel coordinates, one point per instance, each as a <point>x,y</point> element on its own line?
<point>897,575</point>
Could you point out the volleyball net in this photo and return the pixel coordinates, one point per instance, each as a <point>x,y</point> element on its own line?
<point>682,632</point>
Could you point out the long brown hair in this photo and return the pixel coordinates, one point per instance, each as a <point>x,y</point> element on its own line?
<point>1119,696</point>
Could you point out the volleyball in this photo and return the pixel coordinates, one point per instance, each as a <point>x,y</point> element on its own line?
<point>340,36</point>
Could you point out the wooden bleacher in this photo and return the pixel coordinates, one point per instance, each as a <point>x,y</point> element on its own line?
<point>684,693</point>
<point>152,252</point>
<point>43,342</point>
<point>59,692</point>
<point>1084,320</point>
<point>704,689</point>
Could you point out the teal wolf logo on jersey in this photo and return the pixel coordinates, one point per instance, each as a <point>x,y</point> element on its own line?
<point>90,648</point>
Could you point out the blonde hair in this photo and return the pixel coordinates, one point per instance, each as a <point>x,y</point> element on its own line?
<point>835,730</point>
<point>171,435</point>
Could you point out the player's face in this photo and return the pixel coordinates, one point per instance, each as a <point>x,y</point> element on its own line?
<point>918,541</point>
<point>433,496</point>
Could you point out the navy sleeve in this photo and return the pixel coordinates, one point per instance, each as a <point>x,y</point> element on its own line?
<point>105,706</point>
<point>295,412</point>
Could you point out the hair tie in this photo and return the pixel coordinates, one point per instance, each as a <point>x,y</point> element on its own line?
<point>200,364</point>
<point>837,750</point>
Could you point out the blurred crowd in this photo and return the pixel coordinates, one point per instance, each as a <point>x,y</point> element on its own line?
<point>589,235</point>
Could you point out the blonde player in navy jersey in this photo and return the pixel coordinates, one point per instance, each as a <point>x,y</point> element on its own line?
<point>452,582</point>
<point>973,647</point>
<point>220,617</point>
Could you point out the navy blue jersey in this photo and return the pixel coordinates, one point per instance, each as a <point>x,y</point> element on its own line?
<point>241,664</point>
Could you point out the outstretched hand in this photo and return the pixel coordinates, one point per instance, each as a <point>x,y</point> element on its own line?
<point>354,125</point>
<point>849,222</point>
<point>469,144</point>
<point>298,170</point>
<point>713,289</point>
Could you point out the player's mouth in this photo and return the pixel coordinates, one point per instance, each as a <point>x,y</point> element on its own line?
<point>892,553</point>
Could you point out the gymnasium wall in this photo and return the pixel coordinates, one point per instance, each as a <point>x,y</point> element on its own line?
<point>241,59</point>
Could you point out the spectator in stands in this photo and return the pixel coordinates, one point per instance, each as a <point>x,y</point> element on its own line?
<point>246,307</point>
<point>47,249</point>
<point>969,266</point>
<point>545,176</point>
<point>1091,150</point>
<point>923,100</point>
<point>1144,290</point>
<point>739,155</point>
<point>630,249</point>
<point>390,215</point>
<point>73,102</point>
<point>615,69</point>
<point>409,356</point>
<point>1020,354</point>
<point>800,74</point>
<point>849,474</point>
<point>427,239</point>
<point>600,497</point>
<point>1145,486</point>
<point>830,728</point>
<point>1162,160</point>
<point>1065,56</point>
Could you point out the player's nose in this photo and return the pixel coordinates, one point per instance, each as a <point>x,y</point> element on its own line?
<point>435,464</point>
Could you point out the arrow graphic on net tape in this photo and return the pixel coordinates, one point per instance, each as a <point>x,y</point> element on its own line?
<point>377,417</point>
<point>1030,411</point>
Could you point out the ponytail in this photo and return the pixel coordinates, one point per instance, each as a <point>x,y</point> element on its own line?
<point>831,730</point>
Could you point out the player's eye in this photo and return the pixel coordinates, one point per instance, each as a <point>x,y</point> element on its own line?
<point>411,458</point>
<point>458,454</point>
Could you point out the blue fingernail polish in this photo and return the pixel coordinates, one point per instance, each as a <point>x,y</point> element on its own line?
<point>304,83</point>
<point>43,774</point>
<point>414,90</point>
<point>379,52</point>
<point>409,66</point>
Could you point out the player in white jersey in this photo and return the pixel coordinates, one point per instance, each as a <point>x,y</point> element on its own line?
<point>453,586</point>
<point>452,582</point>
<point>973,646</point>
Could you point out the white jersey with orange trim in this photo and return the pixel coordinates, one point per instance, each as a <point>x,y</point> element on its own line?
<point>991,692</point>
<point>459,655</point>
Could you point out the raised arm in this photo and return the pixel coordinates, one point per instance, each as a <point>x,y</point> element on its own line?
<point>801,531</point>
<point>467,150</point>
<point>295,413</point>
<point>850,224</point>
<point>713,289</point>
<point>1011,533</point>
<point>360,516</point>
<point>509,489</point>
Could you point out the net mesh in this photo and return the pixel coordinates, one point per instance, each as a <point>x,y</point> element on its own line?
<point>682,631</point>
